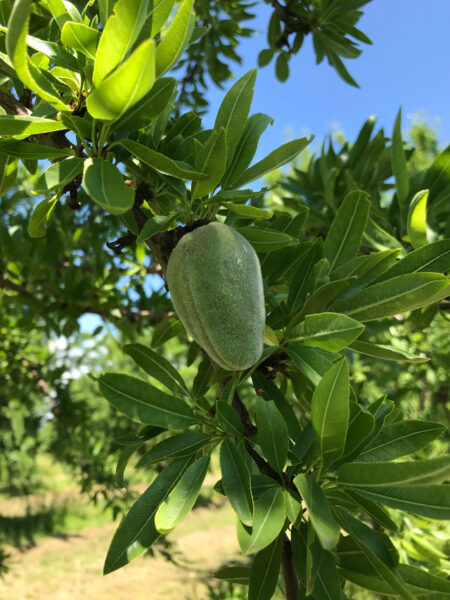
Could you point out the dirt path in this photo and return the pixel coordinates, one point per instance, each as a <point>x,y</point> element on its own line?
<point>70,569</point>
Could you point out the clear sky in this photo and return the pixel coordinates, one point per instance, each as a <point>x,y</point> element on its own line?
<point>408,65</point>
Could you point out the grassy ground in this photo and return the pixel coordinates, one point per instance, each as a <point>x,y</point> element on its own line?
<point>62,556</point>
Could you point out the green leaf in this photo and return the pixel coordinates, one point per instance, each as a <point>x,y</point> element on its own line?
<point>368,542</point>
<point>423,581</point>
<point>63,12</point>
<point>398,160</point>
<point>272,433</point>
<point>373,509</point>
<point>8,173</point>
<point>41,216</point>
<point>282,66</point>
<point>312,363</point>
<point>401,474</point>
<point>236,481</point>
<point>212,160</point>
<point>228,419</point>
<point>265,240</point>
<point>144,403</point>
<point>401,438</point>
<point>246,147</point>
<point>303,276</point>
<point>264,571</point>
<point>433,258</point>
<point>158,13</point>
<point>323,296</point>
<point>233,112</point>
<point>81,38</point>
<point>416,223</point>
<point>182,498</point>
<point>386,352</point>
<point>279,157</point>
<point>177,446</point>
<point>234,574</point>
<point>341,69</point>
<point>316,502</point>
<point>247,211</point>
<point>330,411</point>
<point>268,521</point>
<point>175,39</point>
<point>122,463</point>
<point>105,185</point>
<point>16,45</point>
<point>431,501</point>
<point>165,331</point>
<point>125,86</point>
<point>59,175</point>
<point>148,108</point>
<point>380,239</point>
<point>344,238</point>
<point>159,162</point>
<point>28,151</point>
<point>157,366</point>
<point>361,425</point>
<point>23,126</point>
<point>397,295</point>
<point>155,225</point>
<point>330,331</point>
<point>137,531</point>
<point>119,34</point>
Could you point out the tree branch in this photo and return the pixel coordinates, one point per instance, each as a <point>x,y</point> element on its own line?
<point>289,573</point>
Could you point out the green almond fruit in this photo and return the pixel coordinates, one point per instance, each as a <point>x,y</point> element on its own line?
<point>215,282</point>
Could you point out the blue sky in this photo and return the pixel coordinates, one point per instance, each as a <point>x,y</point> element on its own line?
<point>407,65</point>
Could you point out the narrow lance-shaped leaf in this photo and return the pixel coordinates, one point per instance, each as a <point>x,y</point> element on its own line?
<point>212,161</point>
<point>156,224</point>
<point>63,12</point>
<point>264,571</point>
<point>182,498</point>
<point>387,352</point>
<point>397,295</point>
<point>272,433</point>
<point>236,481</point>
<point>159,162</point>
<point>247,211</point>
<point>16,45</point>
<point>8,173</point>
<point>416,223</point>
<point>330,331</point>
<point>105,185</point>
<point>157,366</point>
<point>119,34</point>
<point>330,411</point>
<point>431,501</point>
<point>272,161</point>
<point>268,520</point>
<point>265,240</point>
<point>125,86</point>
<point>369,543</point>
<point>176,446</point>
<point>28,151</point>
<point>398,159</point>
<point>233,112</point>
<point>434,258</point>
<point>175,39</point>
<point>401,438</point>
<point>400,474</point>
<point>144,403</point>
<point>246,147</point>
<point>137,531</point>
<point>344,238</point>
<point>324,524</point>
<point>23,126</point>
